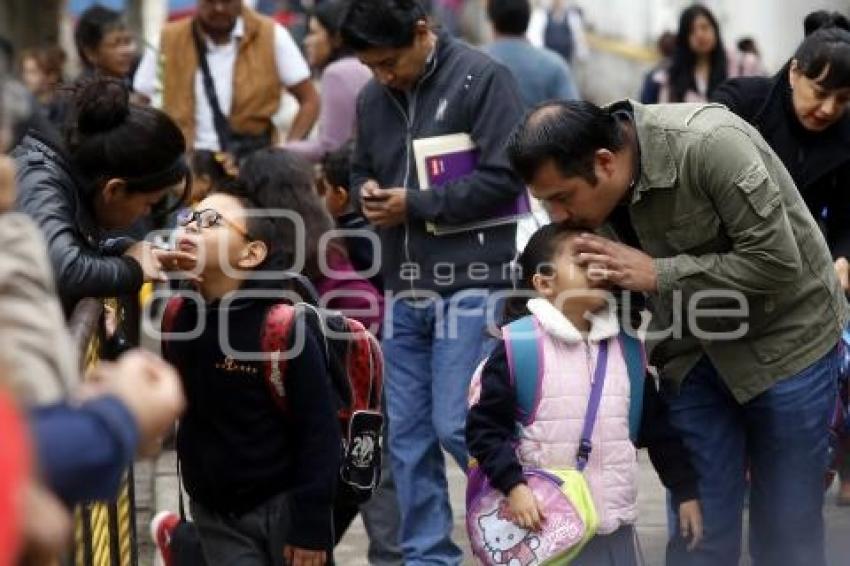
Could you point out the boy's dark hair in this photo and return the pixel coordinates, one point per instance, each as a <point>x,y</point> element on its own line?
<point>538,257</point>
<point>110,138</point>
<point>92,26</point>
<point>567,132</point>
<point>826,48</point>
<point>369,24</point>
<point>509,17</point>
<point>336,166</point>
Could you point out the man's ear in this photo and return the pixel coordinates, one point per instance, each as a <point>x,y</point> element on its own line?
<point>604,161</point>
<point>252,255</point>
<point>112,189</point>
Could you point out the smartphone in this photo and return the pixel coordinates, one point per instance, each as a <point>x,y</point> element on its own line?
<point>376,198</point>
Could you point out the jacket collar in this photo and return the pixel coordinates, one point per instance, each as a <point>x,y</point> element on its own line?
<point>604,324</point>
<point>657,165</point>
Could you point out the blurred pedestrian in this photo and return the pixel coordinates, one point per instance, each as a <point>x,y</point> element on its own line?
<point>341,77</point>
<point>105,43</point>
<point>749,58</point>
<point>700,61</point>
<point>42,72</point>
<point>666,46</point>
<point>540,73</point>
<point>223,72</point>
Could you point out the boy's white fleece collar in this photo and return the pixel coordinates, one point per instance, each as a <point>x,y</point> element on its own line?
<point>603,324</point>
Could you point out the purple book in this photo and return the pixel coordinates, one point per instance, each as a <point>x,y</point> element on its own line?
<point>446,158</point>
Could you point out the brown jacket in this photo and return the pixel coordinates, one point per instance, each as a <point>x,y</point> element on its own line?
<point>256,84</point>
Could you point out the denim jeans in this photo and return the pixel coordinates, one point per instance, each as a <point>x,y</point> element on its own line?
<point>782,436</point>
<point>431,349</point>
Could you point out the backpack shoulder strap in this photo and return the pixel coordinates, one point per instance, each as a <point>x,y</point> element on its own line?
<point>169,318</point>
<point>524,350</point>
<point>275,337</point>
<point>635,356</point>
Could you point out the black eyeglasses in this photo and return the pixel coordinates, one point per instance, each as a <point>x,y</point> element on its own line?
<point>208,218</point>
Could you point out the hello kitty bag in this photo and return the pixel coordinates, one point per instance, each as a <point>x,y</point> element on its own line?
<point>571,518</point>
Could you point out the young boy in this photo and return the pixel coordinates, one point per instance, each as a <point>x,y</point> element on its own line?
<point>261,478</point>
<point>334,187</point>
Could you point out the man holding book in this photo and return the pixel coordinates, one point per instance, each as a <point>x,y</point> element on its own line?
<point>432,176</point>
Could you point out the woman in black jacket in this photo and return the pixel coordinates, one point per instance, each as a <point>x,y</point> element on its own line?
<point>802,114</point>
<point>116,161</point>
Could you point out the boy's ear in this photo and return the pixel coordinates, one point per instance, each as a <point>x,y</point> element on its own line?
<point>252,255</point>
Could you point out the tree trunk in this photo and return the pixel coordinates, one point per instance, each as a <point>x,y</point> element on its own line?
<point>27,23</point>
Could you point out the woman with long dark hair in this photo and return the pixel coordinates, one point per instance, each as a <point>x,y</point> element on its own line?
<point>802,113</point>
<point>700,61</point>
<point>341,78</point>
<point>116,161</point>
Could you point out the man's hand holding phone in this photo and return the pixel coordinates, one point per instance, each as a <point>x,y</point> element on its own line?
<point>383,207</point>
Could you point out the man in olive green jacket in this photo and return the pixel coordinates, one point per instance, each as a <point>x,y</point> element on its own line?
<point>746,307</point>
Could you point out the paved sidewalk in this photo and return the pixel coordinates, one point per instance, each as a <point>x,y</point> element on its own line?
<point>652,524</point>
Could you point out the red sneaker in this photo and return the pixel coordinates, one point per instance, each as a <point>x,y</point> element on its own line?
<point>162,526</point>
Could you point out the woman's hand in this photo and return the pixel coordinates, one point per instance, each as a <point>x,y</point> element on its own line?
<point>143,253</point>
<point>526,510</point>
<point>155,261</point>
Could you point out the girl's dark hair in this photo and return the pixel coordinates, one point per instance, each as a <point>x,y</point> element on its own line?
<point>329,14</point>
<point>567,132</point>
<point>684,59</point>
<point>826,49</point>
<point>537,257</point>
<point>92,26</point>
<point>108,137</point>
<point>275,179</point>
<point>369,24</point>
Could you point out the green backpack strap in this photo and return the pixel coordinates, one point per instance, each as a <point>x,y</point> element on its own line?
<point>635,357</point>
<point>524,350</point>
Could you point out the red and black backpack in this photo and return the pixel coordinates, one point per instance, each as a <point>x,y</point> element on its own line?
<point>355,369</point>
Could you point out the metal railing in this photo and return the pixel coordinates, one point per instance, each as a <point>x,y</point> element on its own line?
<point>104,532</point>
